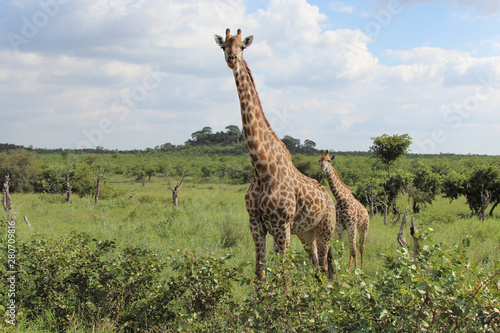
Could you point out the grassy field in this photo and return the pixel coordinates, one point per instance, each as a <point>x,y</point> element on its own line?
<point>212,219</point>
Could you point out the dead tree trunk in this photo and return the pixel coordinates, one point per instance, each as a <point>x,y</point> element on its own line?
<point>98,183</point>
<point>385,205</point>
<point>416,245</point>
<point>371,198</point>
<point>175,195</point>
<point>68,189</point>
<point>401,236</point>
<point>485,201</point>
<point>6,201</point>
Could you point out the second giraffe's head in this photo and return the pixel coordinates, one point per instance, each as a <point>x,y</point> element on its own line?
<point>233,47</point>
<point>325,159</point>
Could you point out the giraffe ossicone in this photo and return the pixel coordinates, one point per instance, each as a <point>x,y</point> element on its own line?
<point>280,200</point>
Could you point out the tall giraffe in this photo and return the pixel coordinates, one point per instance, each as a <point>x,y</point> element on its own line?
<point>351,214</point>
<point>280,199</point>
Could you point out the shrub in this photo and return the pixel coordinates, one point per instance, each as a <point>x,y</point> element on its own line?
<point>85,279</point>
<point>79,279</point>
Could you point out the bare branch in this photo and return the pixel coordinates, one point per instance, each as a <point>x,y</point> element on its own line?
<point>414,231</point>
<point>27,222</point>
<point>401,236</point>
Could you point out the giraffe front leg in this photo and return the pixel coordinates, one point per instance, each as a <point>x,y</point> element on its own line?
<point>281,238</point>
<point>309,241</point>
<point>259,238</point>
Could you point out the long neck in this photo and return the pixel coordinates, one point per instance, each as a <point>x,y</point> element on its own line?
<point>266,150</point>
<point>339,190</point>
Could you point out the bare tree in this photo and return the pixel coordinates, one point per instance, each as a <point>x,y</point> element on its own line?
<point>68,189</point>
<point>175,195</point>
<point>98,183</point>
<point>56,188</point>
<point>371,199</point>
<point>485,201</point>
<point>385,204</point>
<point>6,201</point>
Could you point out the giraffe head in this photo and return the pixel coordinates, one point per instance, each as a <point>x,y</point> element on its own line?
<point>233,47</point>
<point>325,159</point>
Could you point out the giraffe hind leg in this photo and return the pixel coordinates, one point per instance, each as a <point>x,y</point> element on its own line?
<point>352,247</point>
<point>363,233</point>
<point>309,242</point>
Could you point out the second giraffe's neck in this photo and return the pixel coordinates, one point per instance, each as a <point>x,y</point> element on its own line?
<point>339,190</point>
<point>264,146</point>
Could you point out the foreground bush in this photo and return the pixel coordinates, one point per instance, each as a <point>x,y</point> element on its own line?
<point>81,282</point>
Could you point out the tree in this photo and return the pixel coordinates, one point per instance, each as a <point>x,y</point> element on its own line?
<point>423,187</point>
<point>453,185</point>
<point>24,169</point>
<point>483,182</point>
<point>480,187</point>
<point>175,194</point>
<point>200,137</point>
<point>291,143</point>
<point>309,144</point>
<point>234,135</point>
<point>394,186</point>
<point>389,148</point>
<point>370,191</point>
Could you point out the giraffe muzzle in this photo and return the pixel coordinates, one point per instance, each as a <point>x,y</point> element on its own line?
<point>232,61</point>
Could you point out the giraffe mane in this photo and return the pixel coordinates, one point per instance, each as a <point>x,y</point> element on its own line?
<point>275,136</point>
<point>340,180</point>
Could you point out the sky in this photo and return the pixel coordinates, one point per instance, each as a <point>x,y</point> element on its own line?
<point>131,74</point>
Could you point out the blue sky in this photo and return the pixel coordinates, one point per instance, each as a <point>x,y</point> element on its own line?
<point>136,74</point>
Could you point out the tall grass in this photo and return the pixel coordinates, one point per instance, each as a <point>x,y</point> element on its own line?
<point>212,220</point>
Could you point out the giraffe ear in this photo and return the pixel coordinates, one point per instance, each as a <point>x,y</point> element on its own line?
<point>219,40</point>
<point>247,41</point>
<point>333,157</point>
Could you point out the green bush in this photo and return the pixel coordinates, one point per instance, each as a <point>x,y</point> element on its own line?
<point>78,279</point>
<point>82,279</point>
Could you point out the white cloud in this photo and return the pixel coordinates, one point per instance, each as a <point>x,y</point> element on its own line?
<point>489,7</point>
<point>317,82</point>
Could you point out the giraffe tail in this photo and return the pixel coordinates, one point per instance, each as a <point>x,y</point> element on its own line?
<point>329,259</point>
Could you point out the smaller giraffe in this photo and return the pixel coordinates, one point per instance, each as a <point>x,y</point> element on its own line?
<point>351,214</point>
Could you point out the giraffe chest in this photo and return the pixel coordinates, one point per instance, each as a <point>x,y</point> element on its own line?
<point>278,204</point>
<point>270,202</point>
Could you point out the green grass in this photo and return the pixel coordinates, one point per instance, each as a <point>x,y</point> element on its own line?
<point>212,219</point>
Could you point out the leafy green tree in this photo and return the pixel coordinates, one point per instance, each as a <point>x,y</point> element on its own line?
<point>234,135</point>
<point>423,187</point>
<point>484,180</point>
<point>291,143</point>
<point>309,144</point>
<point>453,185</point>
<point>370,191</point>
<point>24,169</point>
<point>392,188</point>
<point>389,148</point>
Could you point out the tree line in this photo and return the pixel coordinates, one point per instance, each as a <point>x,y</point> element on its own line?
<point>378,177</point>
